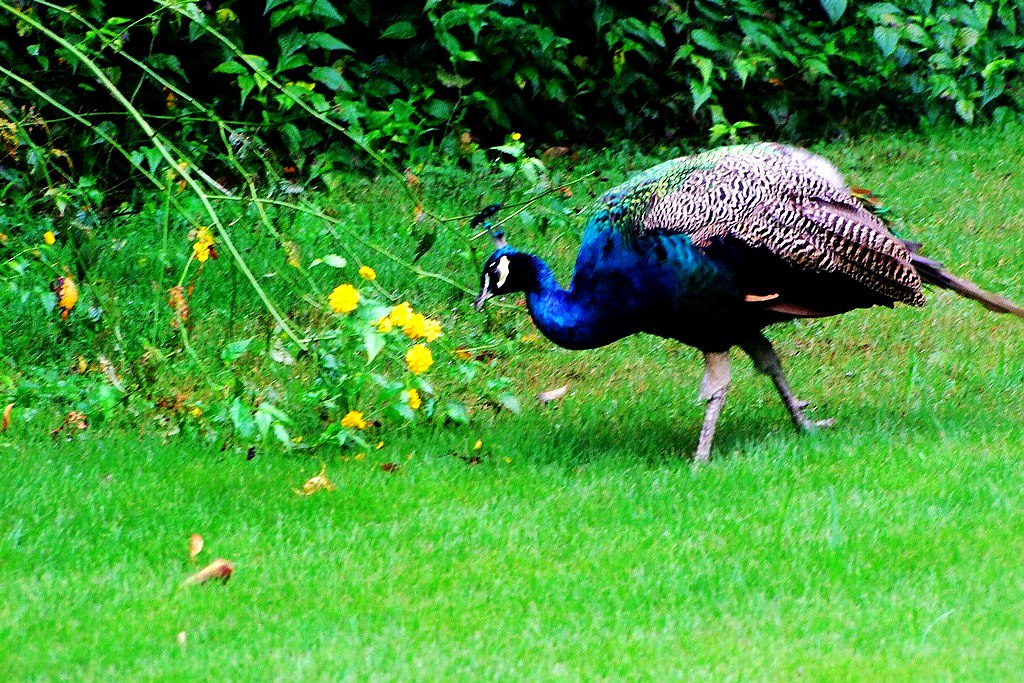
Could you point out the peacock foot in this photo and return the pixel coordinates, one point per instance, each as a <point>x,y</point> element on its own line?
<point>805,423</point>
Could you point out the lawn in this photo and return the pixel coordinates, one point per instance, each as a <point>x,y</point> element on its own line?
<point>579,542</point>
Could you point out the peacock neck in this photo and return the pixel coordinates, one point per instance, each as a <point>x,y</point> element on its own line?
<point>565,317</point>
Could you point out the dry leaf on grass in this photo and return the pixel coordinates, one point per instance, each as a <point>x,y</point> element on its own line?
<point>73,423</point>
<point>195,546</point>
<point>7,417</point>
<point>316,483</point>
<point>553,394</point>
<point>218,569</point>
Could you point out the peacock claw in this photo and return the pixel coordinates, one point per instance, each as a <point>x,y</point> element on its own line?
<point>811,426</point>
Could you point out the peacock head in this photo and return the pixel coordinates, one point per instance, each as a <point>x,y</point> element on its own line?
<point>507,270</point>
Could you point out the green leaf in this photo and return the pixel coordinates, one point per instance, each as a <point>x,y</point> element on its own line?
<point>426,242</point>
<point>513,149</point>
<point>886,38</point>
<point>374,343</point>
<point>834,9</point>
<point>701,93</point>
<point>400,410</point>
<point>168,62</point>
<point>966,38</point>
<point>332,78</point>
<point>272,4</point>
<point>437,108</point>
<point>281,432</point>
<point>327,42</point>
<point>683,52</point>
<point>400,30</point>
<point>995,67</point>
<point>235,350</point>
<point>241,418</point>
<point>510,403</point>
<point>706,39</point>
<point>333,260</point>
<point>743,69</point>
<point>107,397</point>
<point>965,110</point>
<point>257,62</point>
<point>326,10</point>
<point>456,412</point>
<point>230,68</point>
<point>704,65</point>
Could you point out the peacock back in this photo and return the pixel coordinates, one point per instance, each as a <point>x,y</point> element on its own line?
<point>765,206</point>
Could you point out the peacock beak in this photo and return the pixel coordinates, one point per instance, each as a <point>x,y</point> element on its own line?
<point>485,294</point>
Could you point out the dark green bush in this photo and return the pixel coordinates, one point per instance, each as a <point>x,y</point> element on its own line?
<point>404,77</point>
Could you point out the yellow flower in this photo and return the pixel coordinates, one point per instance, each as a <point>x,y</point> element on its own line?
<point>204,235</point>
<point>384,325</point>
<point>414,400</point>
<point>354,420</point>
<point>196,412</point>
<point>48,237</point>
<point>431,329</point>
<point>67,295</point>
<point>344,299</point>
<point>203,244</point>
<point>419,359</point>
<point>414,325</point>
<point>201,251</point>
<point>399,315</point>
<point>478,445</point>
<point>516,136</point>
<point>367,273</point>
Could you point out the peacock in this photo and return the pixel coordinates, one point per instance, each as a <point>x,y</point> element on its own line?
<point>710,249</point>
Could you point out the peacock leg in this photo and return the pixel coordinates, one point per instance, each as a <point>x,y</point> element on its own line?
<point>713,389</point>
<point>761,352</point>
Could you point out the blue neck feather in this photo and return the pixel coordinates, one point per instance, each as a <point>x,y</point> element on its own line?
<point>570,318</point>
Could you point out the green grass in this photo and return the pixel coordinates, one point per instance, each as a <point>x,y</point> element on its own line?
<point>584,545</point>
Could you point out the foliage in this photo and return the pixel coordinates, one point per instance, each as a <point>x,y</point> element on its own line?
<point>406,77</point>
<point>216,323</point>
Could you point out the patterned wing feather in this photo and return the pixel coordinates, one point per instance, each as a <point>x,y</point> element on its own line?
<point>783,199</point>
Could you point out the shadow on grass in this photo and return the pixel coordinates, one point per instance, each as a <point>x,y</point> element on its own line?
<point>637,435</point>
